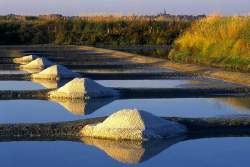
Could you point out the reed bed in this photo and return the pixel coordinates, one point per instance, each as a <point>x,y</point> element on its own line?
<point>220,41</point>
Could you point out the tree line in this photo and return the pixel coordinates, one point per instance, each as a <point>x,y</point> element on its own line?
<point>90,30</point>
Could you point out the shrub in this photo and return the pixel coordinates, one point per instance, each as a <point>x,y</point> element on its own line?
<point>90,30</point>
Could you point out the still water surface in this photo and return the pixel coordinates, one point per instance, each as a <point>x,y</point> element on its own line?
<point>15,111</point>
<point>19,85</point>
<point>214,152</point>
<point>175,152</point>
<point>146,83</point>
<point>4,72</point>
<point>40,84</point>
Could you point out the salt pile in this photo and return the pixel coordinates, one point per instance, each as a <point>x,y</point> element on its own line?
<point>25,59</point>
<point>132,124</point>
<point>39,63</point>
<point>82,88</point>
<point>56,72</point>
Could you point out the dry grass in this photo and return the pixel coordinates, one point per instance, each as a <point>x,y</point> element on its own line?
<point>216,41</point>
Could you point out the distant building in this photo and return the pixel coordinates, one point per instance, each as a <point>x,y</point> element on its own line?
<point>52,16</point>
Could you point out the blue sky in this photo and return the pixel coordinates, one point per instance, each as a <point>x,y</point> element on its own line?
<point>78,7</point>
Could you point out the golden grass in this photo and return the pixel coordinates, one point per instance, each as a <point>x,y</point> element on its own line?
<point>216,41</point>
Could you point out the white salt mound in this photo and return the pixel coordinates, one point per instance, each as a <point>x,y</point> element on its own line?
<point>56,72</point>
<point>39,63</point>
<point>25,59</point>
<point>132,124</point>
<point>82,88</point>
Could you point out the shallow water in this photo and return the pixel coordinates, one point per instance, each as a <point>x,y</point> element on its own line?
<point>16,111</point>
<point>148,83</point>
<point>163,83</point>
<point>19,85</point>
<point>215,152</point>
<point>176,152</point>
<point>182,107</point>
<point>132,70</point>
<point>50,84</point>
<point>3,72</point>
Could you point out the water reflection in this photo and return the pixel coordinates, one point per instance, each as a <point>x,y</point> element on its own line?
<point>19,85</point>
<point>131,152</point>
<point>241,102</point>
<point>143,83</point>
<point>50,84</point>
<point>7,72</point>
<point>38,111</point>
<point>176,107</point>
<point>207,152</point>
<point>184,83</point>
<point>30,70</point>
<point>83,107</point>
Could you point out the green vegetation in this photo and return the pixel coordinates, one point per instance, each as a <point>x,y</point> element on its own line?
<point>114,31</point>
<point>216,41</point>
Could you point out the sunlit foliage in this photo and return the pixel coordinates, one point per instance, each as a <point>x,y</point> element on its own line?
<point>216,41</point>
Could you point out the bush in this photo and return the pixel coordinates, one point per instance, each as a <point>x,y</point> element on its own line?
<point>90,31</point>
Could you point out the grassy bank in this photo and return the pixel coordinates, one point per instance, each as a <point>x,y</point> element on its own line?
<point>216,41</point>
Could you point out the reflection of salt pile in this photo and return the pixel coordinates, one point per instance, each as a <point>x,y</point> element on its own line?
<point>25,59</point>
<point>130,124</point>
<point>82,107</point>
<point>49,84</point>
<point>56,72</point>
<point>30,70</point>
<point>132,152</point>
<point>82,88</point>
<point>39,63</point>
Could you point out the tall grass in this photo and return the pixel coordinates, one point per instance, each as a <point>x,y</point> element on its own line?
<point>216,41</point>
